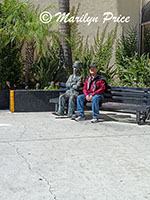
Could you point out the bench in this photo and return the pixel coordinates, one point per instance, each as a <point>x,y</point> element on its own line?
<point>124,98</point>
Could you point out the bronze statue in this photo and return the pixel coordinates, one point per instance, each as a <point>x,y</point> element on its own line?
<point>73,84</point>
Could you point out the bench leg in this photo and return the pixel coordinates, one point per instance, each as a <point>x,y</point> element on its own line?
<point>148,113</point>
<point>140,117</point>
<point>56,107</point>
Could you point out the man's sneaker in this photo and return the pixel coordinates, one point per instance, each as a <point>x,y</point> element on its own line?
<point>73,117</point>
<point>80,118</point>
<point>94,120</point>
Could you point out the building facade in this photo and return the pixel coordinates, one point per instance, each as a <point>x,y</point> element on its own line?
<point>117,9</point>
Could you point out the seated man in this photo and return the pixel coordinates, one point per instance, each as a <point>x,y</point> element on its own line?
<point>93,91</point>
<point>73,84</point>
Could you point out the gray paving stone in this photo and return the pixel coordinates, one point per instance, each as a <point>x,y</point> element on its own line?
<point>44,157</point>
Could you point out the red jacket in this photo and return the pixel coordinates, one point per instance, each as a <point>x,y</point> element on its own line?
<point>100,87</point>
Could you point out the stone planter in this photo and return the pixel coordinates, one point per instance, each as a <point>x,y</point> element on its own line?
<point>4,99</point>
<point>32,100</point>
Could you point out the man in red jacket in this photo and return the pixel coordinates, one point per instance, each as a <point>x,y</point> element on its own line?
<point>93,91</point>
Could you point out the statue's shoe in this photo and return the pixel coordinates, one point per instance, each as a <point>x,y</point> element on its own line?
<point>59,114</point>
<point>70,116</point>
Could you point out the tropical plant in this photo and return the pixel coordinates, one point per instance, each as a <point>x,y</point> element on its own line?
<point>22,24</point>
<point>86,57</point>
<point>76,39</point>
<point>131,68</point>
<point>64,29</point>
<point>103,50</point>
<point>10,64</point>
<point>137,70</point>
<point>127,46</point>
<point>100,53</point>
<point>52,86</point>
<point>47,69</point>
<point>10,67</point>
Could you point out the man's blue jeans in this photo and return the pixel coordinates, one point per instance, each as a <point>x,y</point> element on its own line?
<point>96,99</point>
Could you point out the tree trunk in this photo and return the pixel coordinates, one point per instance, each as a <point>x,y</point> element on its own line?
<point>65,30</point>
<point>29,55</point>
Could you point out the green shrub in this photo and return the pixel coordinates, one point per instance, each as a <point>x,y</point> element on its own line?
<point>132,70</point>
<point>52,86</point>
<point>10,67</point>
<point>47,69</point>
<point>103,50</point>
<point>86,57</point>
<point>76,39</point>
<point>136,70</point>
<point>20,22</point>
<point>100,52</point>
<point>126,46</point>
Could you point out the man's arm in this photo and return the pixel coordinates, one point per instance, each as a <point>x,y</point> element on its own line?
<point>85,91</point>
<point>101,89</point>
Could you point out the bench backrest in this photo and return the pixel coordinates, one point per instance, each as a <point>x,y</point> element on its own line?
<point>129,95</point>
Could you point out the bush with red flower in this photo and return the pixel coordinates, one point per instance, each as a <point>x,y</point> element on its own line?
<point>52,86</point>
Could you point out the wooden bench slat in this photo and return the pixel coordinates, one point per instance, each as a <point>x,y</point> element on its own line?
<point>126,100</point>
<point>117,106</point>
<point>127,94</point>
<point>127,88</point>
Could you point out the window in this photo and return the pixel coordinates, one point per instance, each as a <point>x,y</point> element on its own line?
<point>145,29</point>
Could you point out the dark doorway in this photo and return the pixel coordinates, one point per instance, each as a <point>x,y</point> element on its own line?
<point>145,28</point>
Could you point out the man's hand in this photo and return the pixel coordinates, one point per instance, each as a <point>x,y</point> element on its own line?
<point>88,98</point>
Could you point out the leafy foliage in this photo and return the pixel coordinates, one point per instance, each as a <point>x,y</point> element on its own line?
<point>131,68</point>
<point>10,67</point>
<point>136,70</point>
<point>10,64</point>
<point>126,46</point>
<point>99,53</point>
<point>47,69</point>
<point>20,23</point>
<point>103,50</point>
<point>20,27</point>
<point>76,40</point>
<point>86,57</point>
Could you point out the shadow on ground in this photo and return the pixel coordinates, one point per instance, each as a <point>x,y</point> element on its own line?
<point>113,117</point>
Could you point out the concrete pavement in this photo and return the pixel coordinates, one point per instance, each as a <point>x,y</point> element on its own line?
<point>44,157</point>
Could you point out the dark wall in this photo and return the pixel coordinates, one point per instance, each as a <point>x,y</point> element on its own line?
<point>4,99</point>
<point>34,101</point>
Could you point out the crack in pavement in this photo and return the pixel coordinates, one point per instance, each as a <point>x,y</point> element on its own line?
<point>34,171</point>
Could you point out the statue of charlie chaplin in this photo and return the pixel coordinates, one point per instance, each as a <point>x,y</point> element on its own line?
<point>73,84</point>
